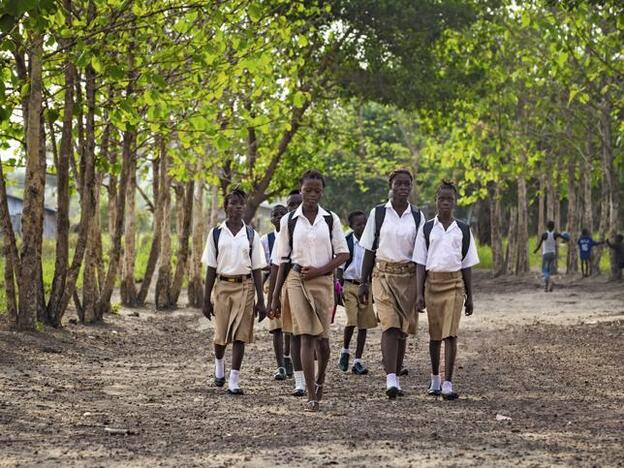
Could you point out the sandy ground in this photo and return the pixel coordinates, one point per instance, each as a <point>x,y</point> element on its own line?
<point>135,392</point>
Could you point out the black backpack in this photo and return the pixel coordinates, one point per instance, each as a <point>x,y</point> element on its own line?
<point>216,233</point>
<point>380,215</point>
<point>465,230</point>
<point>350,245</point>
<point>271,239</point>
<point>292,221</point>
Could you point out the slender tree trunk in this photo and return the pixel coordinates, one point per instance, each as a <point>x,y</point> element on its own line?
<point>179,207</point>
<point>550,199</point>
<point>90,284</point>
<point>128,290</point>
<point>32,215</point>
<point>512,252</point>
<point>183,241</point>
<point>522,243</point>
<point>63,199</point>
<point>498,259</point>
<point>10,253</point>
<point>588,215</point>
<point>156,240</point>
<point>196,286</point>
<point>163,283</point>
<point>214,206</point>
<point>541,223</point>
<point>42,311</point>
<point>572,257</point>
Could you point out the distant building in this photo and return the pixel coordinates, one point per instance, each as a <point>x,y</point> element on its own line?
<point>16,206</point>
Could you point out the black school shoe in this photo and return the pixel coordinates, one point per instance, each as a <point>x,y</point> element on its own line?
<point>359,369</point>
<point>434,392</point>
<point>403,372</point>
<point>450,396</point>
<point>343,363</point>
<point>392,393</point>
<point>289,366</point>
<point>400,393</point>
<point>297,392</point>
<point>235,391</point>
<point>280,374</point>
<point>219,382</point>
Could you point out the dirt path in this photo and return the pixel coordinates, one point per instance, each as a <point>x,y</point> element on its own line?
<point>134,392</point>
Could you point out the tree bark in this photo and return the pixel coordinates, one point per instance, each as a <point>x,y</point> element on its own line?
<point>522,242</point>
<point>550,199</point>
<point>572,257</point>
<point>62,174</point>
<point>156,240</point>
<point>163,283</point>
<point>196,285</point>
<point>10,253</point>
<point>183,242</point>
<point>498,259</point>
<point>90,281</point>
<point>541,223</point>
<point>127,289</point>
<point>32,214</point>
<point>512,252</point>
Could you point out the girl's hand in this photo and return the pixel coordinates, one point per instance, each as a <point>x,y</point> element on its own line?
<point>276,307</point>
<point>308,273</point>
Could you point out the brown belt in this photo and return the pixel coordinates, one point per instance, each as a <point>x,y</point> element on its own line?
<point>234,279</point>
<point>356,282</point>
<point>396,268</point>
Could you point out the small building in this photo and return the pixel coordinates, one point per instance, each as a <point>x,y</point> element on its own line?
<point>16,206</point>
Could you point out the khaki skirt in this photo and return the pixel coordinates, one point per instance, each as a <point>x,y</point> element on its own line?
<point>233,311</point>
<point>311,303</point>
<point>359,315</point>
<point>394,291</point>
<point>444,298</point>
<point>275,324</point>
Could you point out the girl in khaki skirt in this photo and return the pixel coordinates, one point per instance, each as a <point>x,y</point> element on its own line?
<point>311,245</point>
<point>389,238</point>
<point>445,252</point>
<point>235,260</point>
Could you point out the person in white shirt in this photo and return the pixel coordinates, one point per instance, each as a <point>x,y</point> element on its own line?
<point>234,258</point>
<point>389,239</point>
<point>359,315</point>
<point>281,344</point>
<point>445,253</point>
<point>312,243</point>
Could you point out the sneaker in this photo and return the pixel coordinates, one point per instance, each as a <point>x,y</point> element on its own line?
<point>359,369</point>
<point>280,374</point>
<point>343,363</point>
<point>289,366</point>
<point>447,392</point>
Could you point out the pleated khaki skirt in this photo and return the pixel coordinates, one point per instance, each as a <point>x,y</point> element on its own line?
<point>233,311</point>
<point>359,315</point>
<point>310,303</point>
<point>394,291</point>
<point>444,298</point>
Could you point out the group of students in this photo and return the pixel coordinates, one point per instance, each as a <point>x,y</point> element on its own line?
<point>393,257</point>
<point>548,243</point>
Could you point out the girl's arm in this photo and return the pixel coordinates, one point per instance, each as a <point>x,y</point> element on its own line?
<point>276,305</point>
<point>211,275</point>
<point>308,273</point>
<point>260,308</point>
<point>467,276</point>
<point>420,287</point>
<point>272,281</point>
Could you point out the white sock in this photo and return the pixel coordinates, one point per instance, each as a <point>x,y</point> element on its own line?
<point>358,360</point>
<point>391,380</point>
<point>219,368</point>
<point>286,356</point>
<point>233,383</point>
<point>435,382</point>
<point>299,380</point>
<point>398,384</point>
<point>344,351</point>
<point>447,387</point>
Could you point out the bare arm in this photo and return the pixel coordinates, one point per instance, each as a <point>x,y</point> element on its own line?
<point>276,306</point>
<point>467,276</point>
<point>272,280</point>
<point>211,275</point>
<point>420,287</point>
<point>539,244</point>
<point>367,271</point>
<point>260,308</point>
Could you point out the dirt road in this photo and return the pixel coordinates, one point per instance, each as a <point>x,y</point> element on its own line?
<point>135,392</point>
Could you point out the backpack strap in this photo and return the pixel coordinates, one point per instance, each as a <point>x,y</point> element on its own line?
<point>465,230</point>
<point>416,215</point>
<point>271,241</point>
<point>292,222</point>
<point>250,237</point>
<point>216,233</point>
<point>380,214</point>
<point>350,245</point>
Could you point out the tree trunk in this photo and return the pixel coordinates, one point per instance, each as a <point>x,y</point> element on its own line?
<point>522,242</point>
<point>588,215</point>
<point>214,206</point>
<point>9,251</point>
<point>183,241</point>
<point>62,190</point>
<point>512,252</point>
<point>498,260</point>
<point>572,257</point>
<point>127,289</point>
<point>196,285</point>
<point>90,284</point>
<point>156,240</point>
<point>541,223</point>
<point>32,214</point>
<point>163,283</point>
<point>550,199</point>
<point>179,207</point>
<point>42,311</point>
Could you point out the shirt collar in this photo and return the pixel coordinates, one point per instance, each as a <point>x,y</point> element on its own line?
<point>321,212</point>
<point>437,221</point>
<point>223,226</point>
<point>406,212</point>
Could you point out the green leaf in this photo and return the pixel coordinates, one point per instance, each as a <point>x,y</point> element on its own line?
<point>299,99</point>
<point>6,23</point>
<point>254,12</point>
<point>96,64</point>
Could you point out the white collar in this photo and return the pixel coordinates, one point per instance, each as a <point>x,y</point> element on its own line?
<point>223,226</point>
<point>452,225</point>
<point>408,210</point>
<point>321,212</point>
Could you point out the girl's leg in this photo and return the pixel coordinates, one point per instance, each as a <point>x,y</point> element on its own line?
<point>219,351</point>
<point>390,349</point>
<point>450,352</point>
<point>348,334</point>
<point>287,344</point>
<point>308,345</point>
<point>295,344</point>
<point>322,353</point>
<point>278,347</point>
<point>361,342</point>
<point>434,353</point>
<point>401,353</point>
<point>238,351</point>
